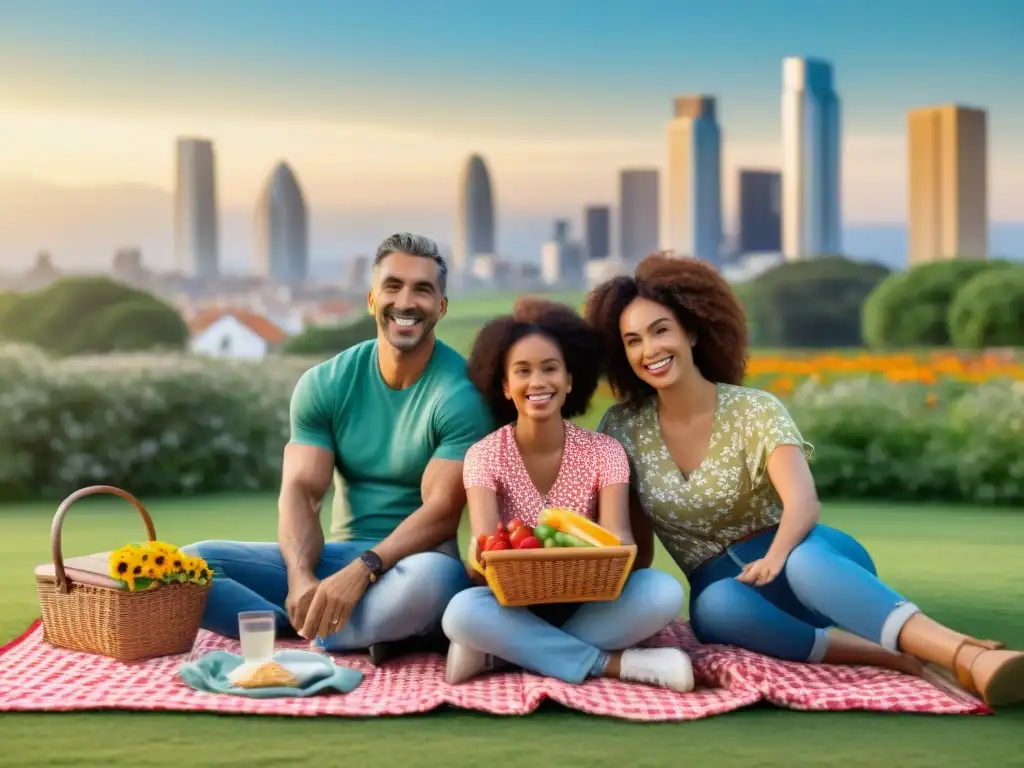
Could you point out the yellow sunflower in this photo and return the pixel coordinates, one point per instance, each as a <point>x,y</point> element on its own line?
<point>159,565</point>
<point>120,563</point>
<point>196,569</point>
<point>176,566</point>
<point>162,546</point>
<point>137,564</point>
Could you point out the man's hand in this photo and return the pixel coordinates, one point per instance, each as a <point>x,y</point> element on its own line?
<point>335,599</point>
<point>763,571</point>
<point>301,589</point>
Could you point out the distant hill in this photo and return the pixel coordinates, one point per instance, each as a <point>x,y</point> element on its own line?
<point>82,227</point>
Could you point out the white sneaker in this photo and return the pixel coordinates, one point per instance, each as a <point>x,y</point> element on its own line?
<point>664,667</point>
<point>465,663</point>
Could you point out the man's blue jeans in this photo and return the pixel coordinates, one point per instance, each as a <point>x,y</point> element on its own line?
<point>829,580</point>
<point>649,602</point>
<point>409,600</point>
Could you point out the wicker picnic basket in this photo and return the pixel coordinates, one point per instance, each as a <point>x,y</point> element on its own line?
<point>88,611</point>
<point>520,577</point>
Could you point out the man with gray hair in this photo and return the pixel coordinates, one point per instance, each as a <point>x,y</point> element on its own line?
<point>392,418</point>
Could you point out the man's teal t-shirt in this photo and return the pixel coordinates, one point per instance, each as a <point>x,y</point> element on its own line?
<point>383,438</point>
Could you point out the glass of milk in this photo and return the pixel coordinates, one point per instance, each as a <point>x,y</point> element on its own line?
<point>257,631</point>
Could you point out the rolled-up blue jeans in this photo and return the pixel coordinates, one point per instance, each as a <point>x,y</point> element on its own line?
<point>572,651</point>
<point>407,601</point>
<point>829,580</point>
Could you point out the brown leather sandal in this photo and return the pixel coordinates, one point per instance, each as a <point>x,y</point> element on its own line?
<point>997,680</point>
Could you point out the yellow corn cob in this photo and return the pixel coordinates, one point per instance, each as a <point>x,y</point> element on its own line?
<point>567,521</point>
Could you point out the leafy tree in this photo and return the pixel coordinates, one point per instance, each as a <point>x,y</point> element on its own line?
<point>329,340</point>
<point>910,309</point>
<point>811,303</point>
<point>138,324</point>
<point>68,317</point>
<point>988,311</point>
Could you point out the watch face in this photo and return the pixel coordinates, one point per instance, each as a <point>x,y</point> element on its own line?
<point>372,560</point>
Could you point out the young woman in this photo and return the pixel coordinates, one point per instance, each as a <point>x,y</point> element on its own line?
<point>721,475</point>
<point>538,368</point>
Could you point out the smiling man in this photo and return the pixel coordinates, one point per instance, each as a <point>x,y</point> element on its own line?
<point>391,419</point>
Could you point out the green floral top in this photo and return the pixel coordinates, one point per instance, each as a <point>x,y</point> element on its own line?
<point>729,496</point>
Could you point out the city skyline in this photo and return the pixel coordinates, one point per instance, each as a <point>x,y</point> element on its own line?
<point>545,124</point>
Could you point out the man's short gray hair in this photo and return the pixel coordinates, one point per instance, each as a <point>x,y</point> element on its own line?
<point>414,245</point>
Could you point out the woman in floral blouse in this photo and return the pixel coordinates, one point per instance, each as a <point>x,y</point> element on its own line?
<point>720,474</point>
<point>536,369</point>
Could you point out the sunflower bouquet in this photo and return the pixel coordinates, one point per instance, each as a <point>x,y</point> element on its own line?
<point>153,564</point>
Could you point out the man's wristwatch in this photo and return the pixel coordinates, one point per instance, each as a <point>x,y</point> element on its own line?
<point>373,564</point>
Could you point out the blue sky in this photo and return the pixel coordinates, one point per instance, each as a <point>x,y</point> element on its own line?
<point>528,70</point>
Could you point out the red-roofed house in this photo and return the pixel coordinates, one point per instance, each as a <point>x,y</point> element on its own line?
<point>234,333</point>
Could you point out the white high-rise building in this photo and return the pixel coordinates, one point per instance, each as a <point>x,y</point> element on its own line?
<point>195,210</point>
<point>692,219</point>
<point>474,228</point>
<point>811,160</point>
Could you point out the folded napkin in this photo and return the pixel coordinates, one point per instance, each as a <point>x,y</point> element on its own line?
<point>315,672</point>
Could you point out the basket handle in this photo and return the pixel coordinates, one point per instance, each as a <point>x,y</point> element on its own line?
<point>58,523</point>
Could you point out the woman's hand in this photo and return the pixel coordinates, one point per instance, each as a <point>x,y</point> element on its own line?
<point>473,556</point>
<point>763,571</point>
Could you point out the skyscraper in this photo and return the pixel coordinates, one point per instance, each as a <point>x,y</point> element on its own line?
<point>638,214</point>
<point>474,228</point>
<point>597,231</point>
<point>195,210</point>
<point>948,195</point>
<point>811,159</point>
<point>760,225</point>
<point>693,205</point>
<point>282,228</point>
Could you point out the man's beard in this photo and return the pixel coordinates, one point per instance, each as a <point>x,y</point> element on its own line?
<point>405,342</point>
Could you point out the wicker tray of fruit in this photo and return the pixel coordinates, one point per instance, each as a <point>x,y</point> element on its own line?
<point>566,558</point>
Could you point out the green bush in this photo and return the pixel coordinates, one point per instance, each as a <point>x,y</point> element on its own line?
<point>910,309</point>
<point>81,315</point>
<point>176,424</point>
<point>811,303</point>
<point>988,311</point>
<point>328,340</point>
<point>882,440</point>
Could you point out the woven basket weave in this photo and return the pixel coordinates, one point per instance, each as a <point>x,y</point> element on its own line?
<point>520,577</point>
<point>123,625</point>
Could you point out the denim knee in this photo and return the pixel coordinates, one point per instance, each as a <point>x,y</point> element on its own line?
<point>429,581</point>
<point>467,617</point>
<point>714,614</point>
<point>212,551</point>
<point>659,595</point>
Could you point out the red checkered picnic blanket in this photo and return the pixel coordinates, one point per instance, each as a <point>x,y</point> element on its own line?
<point>35,676</point>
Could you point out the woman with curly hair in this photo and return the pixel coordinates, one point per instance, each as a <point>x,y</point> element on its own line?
<point>537,368</point>
<point>720,474</point>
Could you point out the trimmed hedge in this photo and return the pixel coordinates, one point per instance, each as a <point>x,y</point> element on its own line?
<point>178,424</point>
<point>911,309</point>
<point>988,311</point>
<point>813,303</point>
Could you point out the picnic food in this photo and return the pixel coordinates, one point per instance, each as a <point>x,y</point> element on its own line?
<point>558,528</point>
<point>269,674</point>
<point>568,522</point>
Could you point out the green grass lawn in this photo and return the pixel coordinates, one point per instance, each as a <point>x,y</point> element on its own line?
<point>963,565</point>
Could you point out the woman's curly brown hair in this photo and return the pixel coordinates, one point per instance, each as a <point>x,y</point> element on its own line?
<point>578,342</point>
<point>701,300</point>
